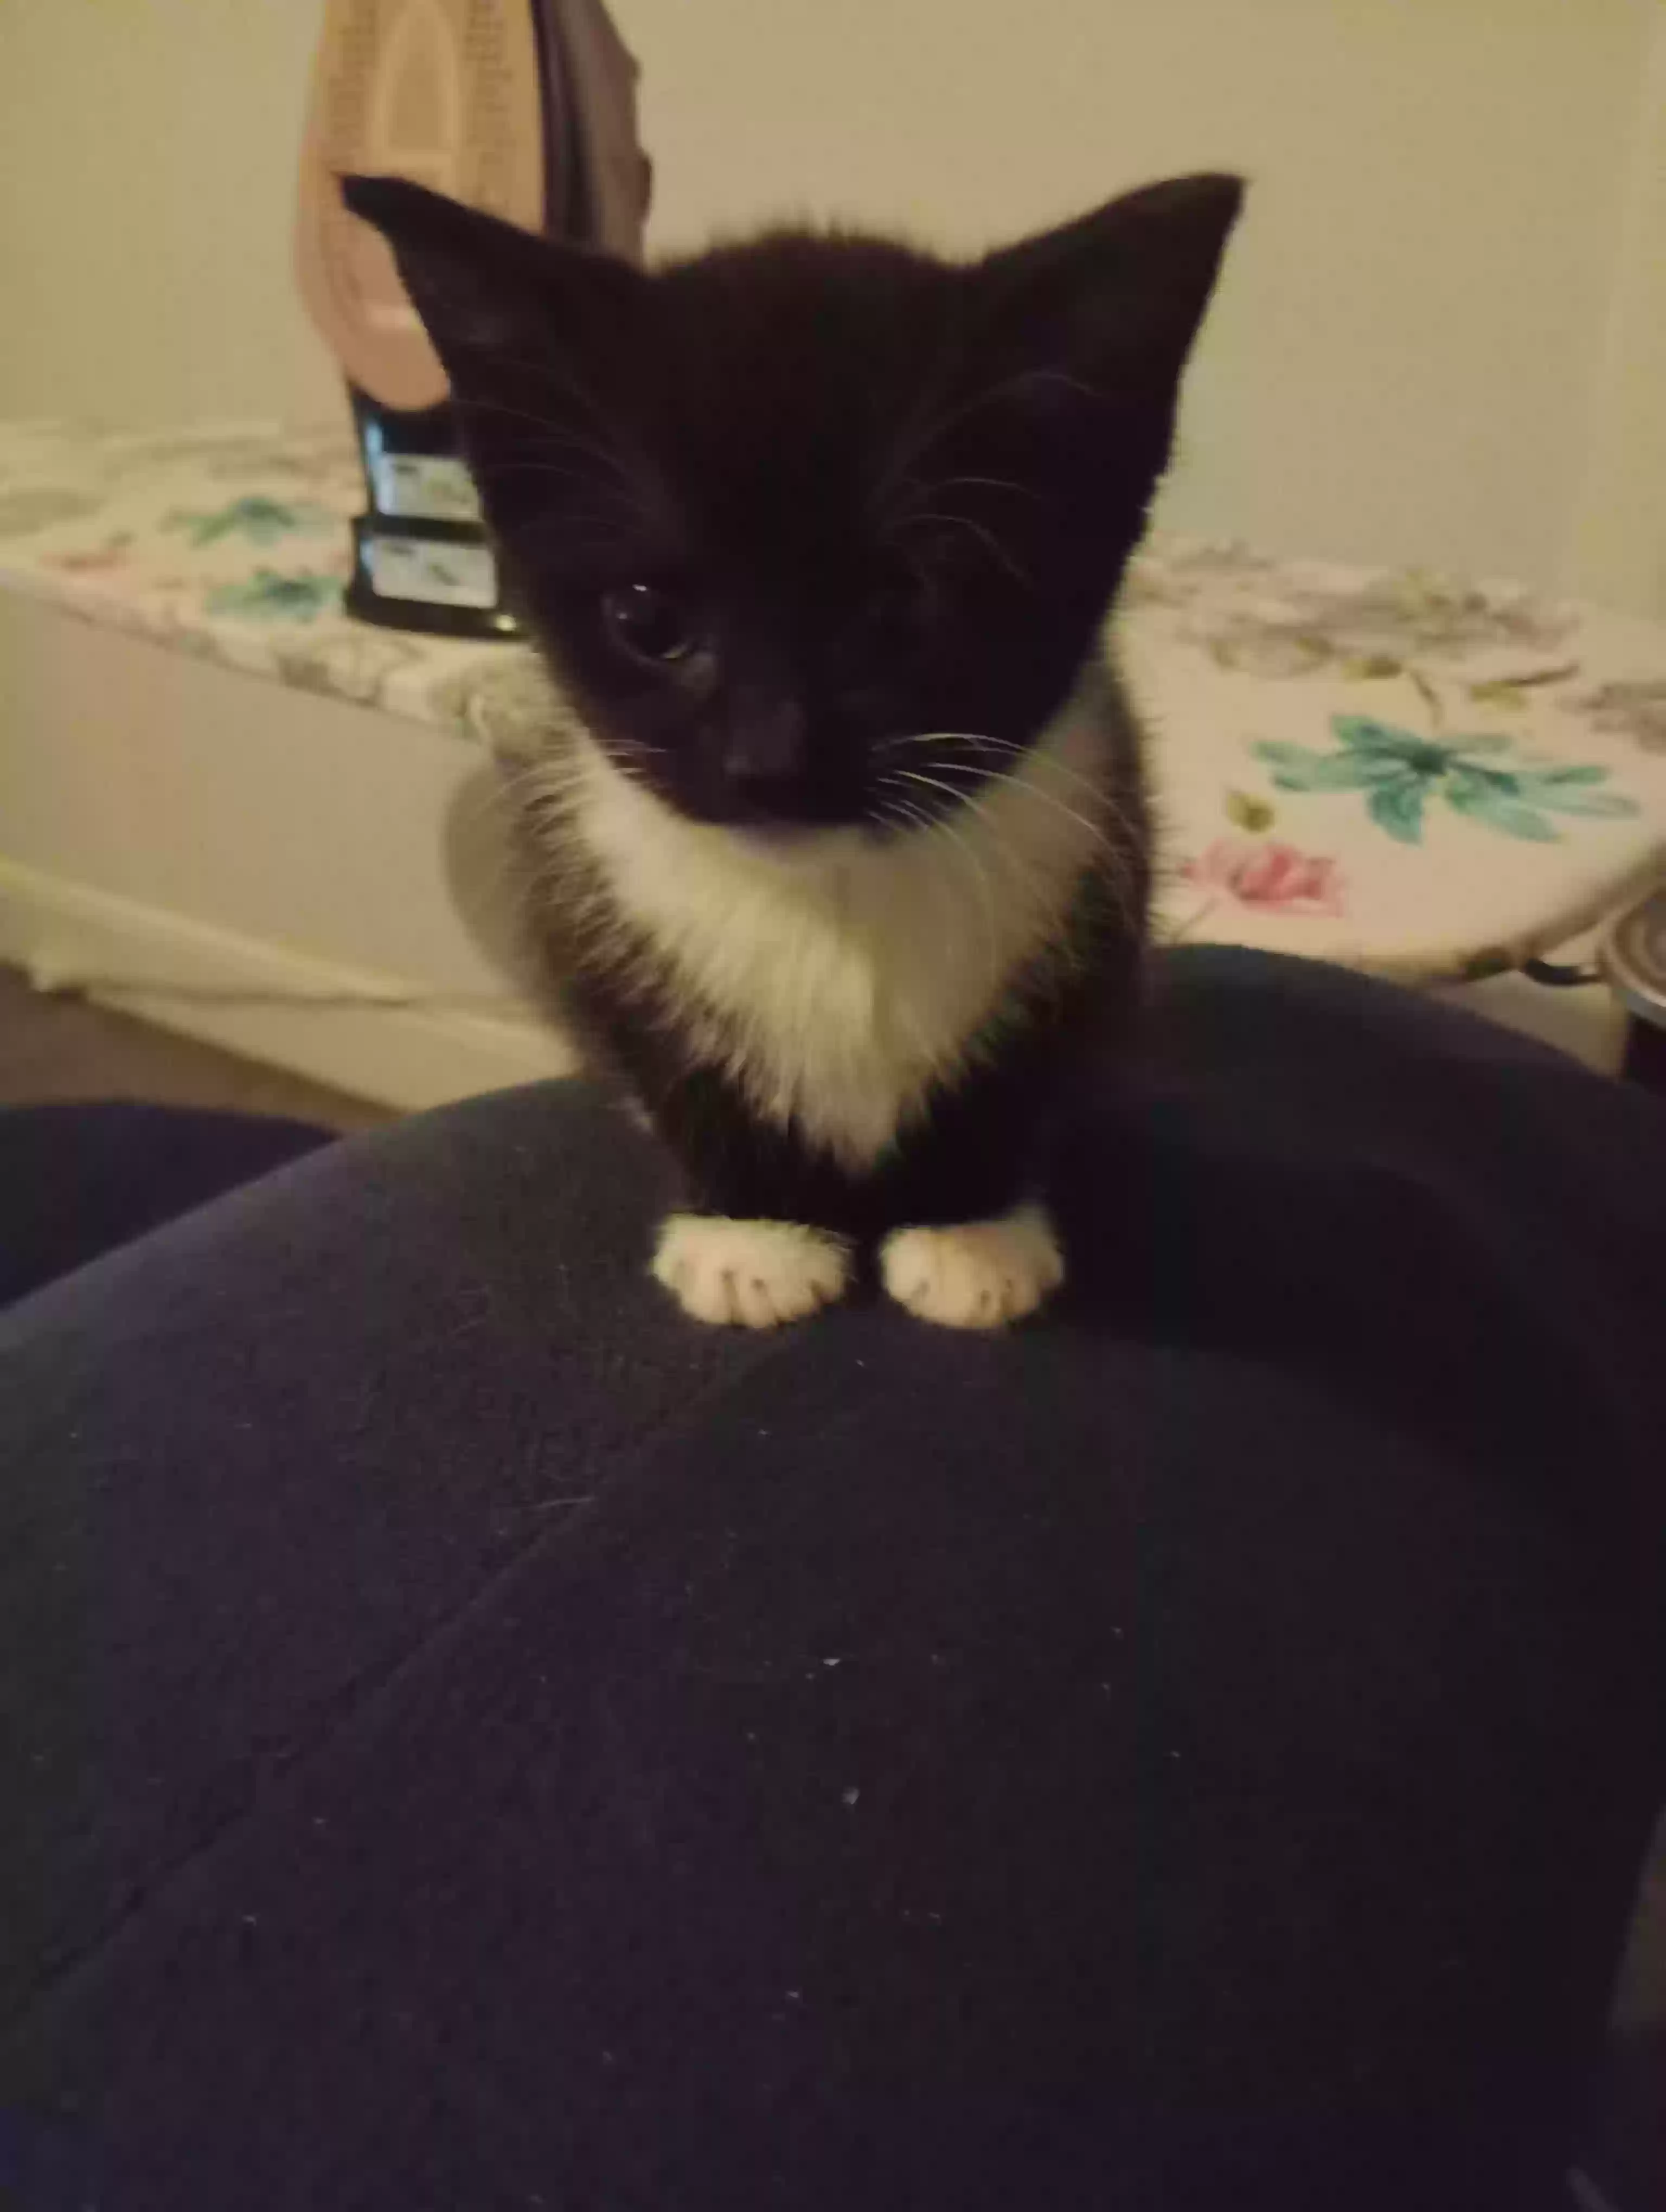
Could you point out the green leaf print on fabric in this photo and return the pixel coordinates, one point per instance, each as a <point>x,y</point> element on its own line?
<point>1296,768</point>
<point>263,521</point>
<point>1398,807</point>
<point>1487,799</point>
<point>268,596</point>
<point>1401,772</point>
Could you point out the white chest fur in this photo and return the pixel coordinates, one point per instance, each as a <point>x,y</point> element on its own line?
<point>837,983</point>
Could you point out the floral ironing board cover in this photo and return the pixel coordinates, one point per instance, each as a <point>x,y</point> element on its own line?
<point>1421,777</point>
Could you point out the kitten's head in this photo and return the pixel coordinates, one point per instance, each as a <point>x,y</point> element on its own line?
<point>803,513</point>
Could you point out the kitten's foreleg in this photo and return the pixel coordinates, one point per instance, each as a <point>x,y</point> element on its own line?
<point>975,1274</point>
<point>749,1246</point>
<point>973,1248</point>
<point>749,1275</point>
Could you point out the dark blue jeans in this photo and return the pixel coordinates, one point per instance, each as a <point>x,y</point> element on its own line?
<point>473,1738</point>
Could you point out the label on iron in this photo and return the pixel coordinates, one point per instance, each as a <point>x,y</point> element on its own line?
<point>442,576</point>
<point>426,487</point>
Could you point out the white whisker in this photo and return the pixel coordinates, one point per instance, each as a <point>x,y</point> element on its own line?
<point>928,431</point>
<point>931,782</point>
<point>1120,846</point>
<point>839,987</point>
<point>985,744</point>
<point>927,517</point>
<point>999,844</point>
<point>986,895</point>
<point>986,483</point>
<point>554,439</point>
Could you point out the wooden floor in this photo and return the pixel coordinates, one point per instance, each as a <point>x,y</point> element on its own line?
<point>62,1048</point>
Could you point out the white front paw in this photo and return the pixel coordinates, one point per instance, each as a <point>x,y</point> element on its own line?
<point>748,1274</point>
<point>978,1274</point>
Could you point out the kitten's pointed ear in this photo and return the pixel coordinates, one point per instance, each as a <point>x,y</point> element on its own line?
<point>489,293</point>
<point>1116,298</point>
<point>539,340</point>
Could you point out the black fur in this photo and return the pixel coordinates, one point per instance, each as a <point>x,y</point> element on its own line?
<point>969,1157</point>
<point>860,495</point>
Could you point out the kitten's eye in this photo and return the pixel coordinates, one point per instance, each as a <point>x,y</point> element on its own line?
<point>648,624</point>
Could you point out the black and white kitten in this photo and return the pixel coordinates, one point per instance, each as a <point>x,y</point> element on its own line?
<point>841,853</point>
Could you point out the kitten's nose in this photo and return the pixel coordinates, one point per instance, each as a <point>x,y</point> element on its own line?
<point>767,750</point>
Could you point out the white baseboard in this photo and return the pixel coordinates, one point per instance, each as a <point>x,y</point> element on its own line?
<point>267,1002</point>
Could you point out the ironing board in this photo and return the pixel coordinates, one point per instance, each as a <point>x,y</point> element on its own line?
<point>1422,777</point>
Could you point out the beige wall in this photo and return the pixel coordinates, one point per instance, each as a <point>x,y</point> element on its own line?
<point>1619,547</point>
<point>147,181</point>
<point>1426,347</point>
<point>1402,361</point>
